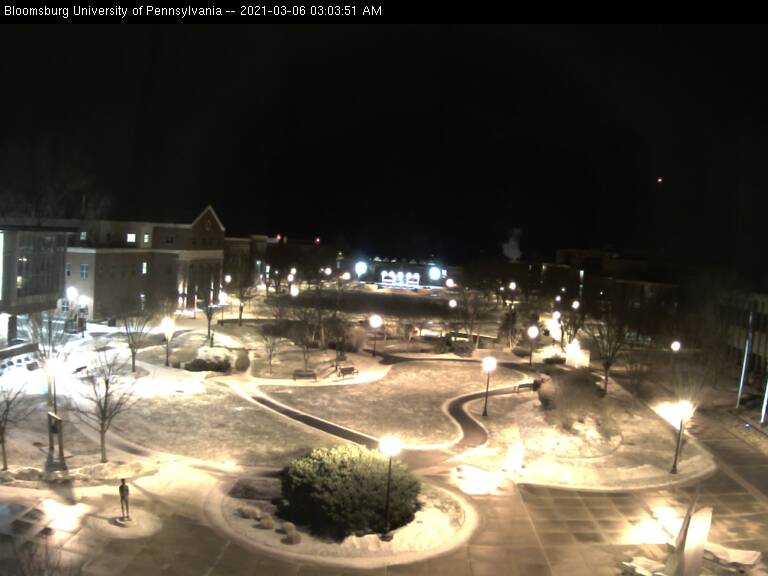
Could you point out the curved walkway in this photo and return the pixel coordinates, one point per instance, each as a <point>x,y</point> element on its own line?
<point>473,434</point>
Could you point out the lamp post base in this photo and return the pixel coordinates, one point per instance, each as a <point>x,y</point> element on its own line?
<point>386,536</point>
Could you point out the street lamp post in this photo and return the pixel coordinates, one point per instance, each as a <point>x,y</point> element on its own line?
<point>375,322</point>
<point>167,326</point>
<point>489,365</point>
<point>684,411</point>
<point>675,347</point>
<point>53,366</point>
<point>389,447</point>
<point>533,333</point>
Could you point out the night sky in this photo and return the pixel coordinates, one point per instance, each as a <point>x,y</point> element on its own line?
<point>409,141</point>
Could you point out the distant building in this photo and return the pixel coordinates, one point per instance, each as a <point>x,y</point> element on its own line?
<point>737,308</point>
<point>244,261</point>
<point>31,274</point>
<point>114,265</point>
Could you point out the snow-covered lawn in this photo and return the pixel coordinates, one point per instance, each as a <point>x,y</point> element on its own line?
<point>528,445</point>
<point>184,347</point>
<point>217,425</point>
<point>407,402</point>
<point>27,443</point>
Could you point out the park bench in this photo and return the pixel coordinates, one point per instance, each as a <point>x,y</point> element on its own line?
<point>305,374</point>
<point>532,386</point>
<point>348,370</point>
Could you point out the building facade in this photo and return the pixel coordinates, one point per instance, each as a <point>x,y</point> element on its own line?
<point>114,266</point>
<point>31,274</point>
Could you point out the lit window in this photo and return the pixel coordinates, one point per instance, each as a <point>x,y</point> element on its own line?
<point>83,235</point>
<point>146,238</point>
<point>83,271</point>
<point>130,238</point>
<point>143,267</point>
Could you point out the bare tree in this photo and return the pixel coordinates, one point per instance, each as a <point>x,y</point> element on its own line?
<point>244,283</point>
<point>277,308</point>
<point>244,295</point>
<point>338,331</point>
<point>15,406</point>
<point>405,327</point>
<point>209,308</point>
<point>571,323</point>
<point>508,328</point>
<point>36,557</point>
<point>105,396</point>
<point>637,362</point>
<point>137,326</point>
<point>303,331</point>
<point>474,306</point>
<point>271,334</point>
<point>321,315</point>
<point>609,335</point>
<point>46,329</point>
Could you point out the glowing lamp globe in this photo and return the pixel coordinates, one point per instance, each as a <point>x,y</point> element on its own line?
<point>375,321</point>
<point>82,301</point>
<point>361,268</point>
<point>533,332</point>
<point>513,286</point>
<point>575,305</point>
<point>434,273</point>
<point>557,298</point>
<point>290,277</point>
<point>684,410</point>
<point>167,326</point>
<point>346,276</point>
<point>227,278</point>
<point>327,271</point>
<point>390,446</point>
<point>675,346</point>
<point>452,303</point>
<point>294,290</point>
<point>556,315</point>
<point>450,283</point>
<point>293,270</point>
<point>71,293</point>
<point>489,364</point>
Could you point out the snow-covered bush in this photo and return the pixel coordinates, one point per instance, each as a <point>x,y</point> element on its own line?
<point>207,365</point>
<point>339,491</point>
<point>242,361</point>
<point>293,538</point>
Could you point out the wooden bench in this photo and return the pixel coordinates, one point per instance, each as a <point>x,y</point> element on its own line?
<point>305,374</point>
<point>344,371</point>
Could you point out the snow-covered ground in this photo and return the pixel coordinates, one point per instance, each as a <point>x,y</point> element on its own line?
<point>527,445</point>
<point>212,423</point>
<point>407,402</point>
